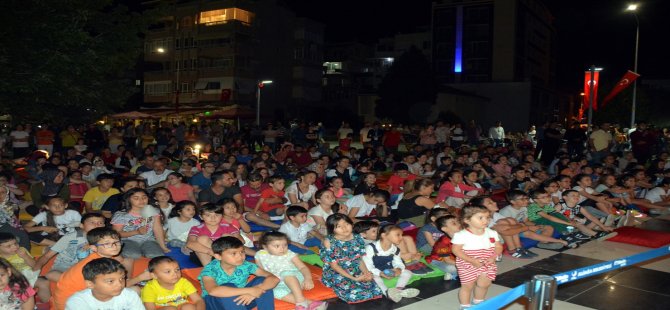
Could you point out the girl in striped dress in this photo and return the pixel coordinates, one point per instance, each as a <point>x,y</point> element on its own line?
<point>476,248</point>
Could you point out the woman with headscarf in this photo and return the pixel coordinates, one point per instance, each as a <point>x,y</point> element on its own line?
<point>52,185</point>
<point>9,222</point>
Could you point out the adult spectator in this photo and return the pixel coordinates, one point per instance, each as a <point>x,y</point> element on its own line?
<point>300,156</point>
<point>576,137</point>
<point>157,176</point>
<point>427,137</point>
<point>392,139</point>
<point>642,140</point>
<point>69,137</point>
<point>270,136</point>
<point>551,143</point>
<point>95,139</point>
<point>52,185</point>
<point>364,134</point>
<point>343,132</point>
<point>416,201</point>
<point>473,132</point>
<point>600,142</point>
<point>223,186</point>
<point>441,134</point>
<point>301,192</point>
<point>202,179</point>
<point>376,134</point>
<point>457,136</point>
<point>20,142</point>
<point>45,139</point>
<point>343,170</point>
<point>115,202</point>
<point>497,134</point>
<point>146,164</point>
<point>9,223</point>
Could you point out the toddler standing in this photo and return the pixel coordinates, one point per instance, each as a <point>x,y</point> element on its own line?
<point>476,248</point>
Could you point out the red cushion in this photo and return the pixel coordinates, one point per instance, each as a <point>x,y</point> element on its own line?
<point>641,237</point>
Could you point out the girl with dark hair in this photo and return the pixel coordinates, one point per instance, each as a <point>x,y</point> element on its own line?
<point>140,226</point>
<point>17,292</point>
<point>344,271</point>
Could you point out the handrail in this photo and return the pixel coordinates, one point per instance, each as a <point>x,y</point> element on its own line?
<point>526,290</point>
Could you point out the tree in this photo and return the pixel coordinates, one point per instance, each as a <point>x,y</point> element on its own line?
<point>409,83</point>
<point>66,60</point>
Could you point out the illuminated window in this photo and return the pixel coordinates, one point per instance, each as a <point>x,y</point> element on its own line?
<point>222,16</point>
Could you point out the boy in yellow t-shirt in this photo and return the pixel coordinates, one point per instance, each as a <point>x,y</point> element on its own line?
<point>168,289</point>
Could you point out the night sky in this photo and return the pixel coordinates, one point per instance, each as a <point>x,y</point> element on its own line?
<point>589,32</point>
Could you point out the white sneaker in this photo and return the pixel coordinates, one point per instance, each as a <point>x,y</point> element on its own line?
<point>448,277</point>
<point>394,294</point>
<point>409,293</point>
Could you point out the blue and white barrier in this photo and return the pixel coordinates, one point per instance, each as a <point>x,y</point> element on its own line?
<point>510,296</point>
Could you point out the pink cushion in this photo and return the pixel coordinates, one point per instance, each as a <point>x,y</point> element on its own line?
<point>641,237</point>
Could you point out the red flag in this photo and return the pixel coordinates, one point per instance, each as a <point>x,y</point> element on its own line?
<point>587,89</point>
<point>625,81</point>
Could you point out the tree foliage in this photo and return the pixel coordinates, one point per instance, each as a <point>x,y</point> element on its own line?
<point>409,83</point>
<point>67,59</point>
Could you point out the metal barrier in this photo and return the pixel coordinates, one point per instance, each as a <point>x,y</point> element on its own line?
<point>541,290</point>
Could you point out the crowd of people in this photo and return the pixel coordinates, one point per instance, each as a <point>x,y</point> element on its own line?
<point>255,201</point>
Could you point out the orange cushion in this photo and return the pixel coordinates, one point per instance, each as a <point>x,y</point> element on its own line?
<point>140,265</point>
<point>319,292</point>
<point>47,267</point>
<point>192,274</point>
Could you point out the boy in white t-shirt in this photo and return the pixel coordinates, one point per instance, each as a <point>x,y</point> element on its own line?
<point>362,205</point>
<point>518,210</point>
<point>660,195</point>
<point>106,288</point>
<point>298,231</point>
<point>48,226</point>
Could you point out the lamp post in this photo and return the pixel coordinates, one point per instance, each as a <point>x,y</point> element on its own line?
<point>592,85</point>
<point>260,86</point>
<point>632,8</point>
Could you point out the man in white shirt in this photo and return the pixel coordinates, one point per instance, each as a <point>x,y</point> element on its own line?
<point>441,134</point>
<point>157,176</point>
<point>364,133</point>
<point>497,133</point>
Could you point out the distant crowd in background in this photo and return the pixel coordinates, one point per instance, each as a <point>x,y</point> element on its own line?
<point>143,188</point>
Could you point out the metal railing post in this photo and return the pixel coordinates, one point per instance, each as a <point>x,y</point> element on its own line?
<point>541,291</point>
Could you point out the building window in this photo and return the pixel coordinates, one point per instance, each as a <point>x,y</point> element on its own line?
<point>223,16</point>
<point>157,88</point>
<point>298,53</point>
<point>184,87</point>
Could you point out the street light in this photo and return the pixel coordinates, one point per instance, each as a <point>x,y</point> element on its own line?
<point>260,85</point>
<point>592,85</point>
<point>632,8</point>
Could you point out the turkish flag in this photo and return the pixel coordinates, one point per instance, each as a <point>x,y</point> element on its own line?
<point>587,88</point>
<point>625,81</point>
<point>225,95</point>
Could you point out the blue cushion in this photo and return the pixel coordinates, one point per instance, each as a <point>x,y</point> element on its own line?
<point>183,260</point>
